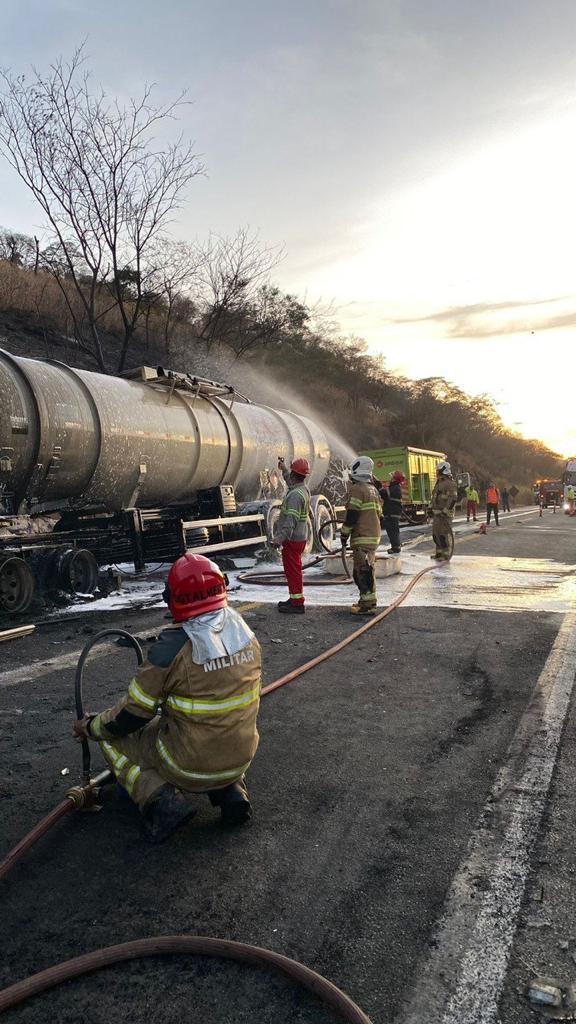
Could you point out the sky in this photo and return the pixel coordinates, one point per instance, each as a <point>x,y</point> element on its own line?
<point>416,160</point>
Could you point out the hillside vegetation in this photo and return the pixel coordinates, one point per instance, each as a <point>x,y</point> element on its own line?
<point>108,287</point>
<point>275,348</point>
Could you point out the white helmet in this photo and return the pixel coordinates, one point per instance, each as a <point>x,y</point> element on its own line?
<point>444,468</point>
<point>363,469</point>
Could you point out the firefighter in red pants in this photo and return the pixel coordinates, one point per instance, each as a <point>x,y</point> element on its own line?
<point>292,531</point>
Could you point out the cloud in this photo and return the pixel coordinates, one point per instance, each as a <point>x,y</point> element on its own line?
<point>490,319</point>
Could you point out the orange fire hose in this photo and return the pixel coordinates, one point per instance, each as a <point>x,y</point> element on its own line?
<point>36,833</point>
<point>194,945</point>
<point>290,676</point>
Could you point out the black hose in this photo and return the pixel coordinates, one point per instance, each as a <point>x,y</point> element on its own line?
<point>78,682</point>
<point>329,522</point>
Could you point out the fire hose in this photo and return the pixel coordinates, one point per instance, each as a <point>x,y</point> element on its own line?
<point>83,796</point>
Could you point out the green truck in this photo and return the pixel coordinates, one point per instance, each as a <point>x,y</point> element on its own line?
<point>417,465</point>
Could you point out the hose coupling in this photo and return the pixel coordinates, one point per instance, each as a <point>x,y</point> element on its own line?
<point>84,798</point>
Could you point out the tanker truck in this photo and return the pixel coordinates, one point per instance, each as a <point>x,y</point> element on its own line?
<point>98,470</point>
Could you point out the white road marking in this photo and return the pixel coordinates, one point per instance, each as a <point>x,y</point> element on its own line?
<point>463,979</point>
<point>37,669</point>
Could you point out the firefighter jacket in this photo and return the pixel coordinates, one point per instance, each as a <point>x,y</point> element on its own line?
<point>207,735</point>
<point>392,498</point>
<point>472,494</point>
<point>293,521</point>
<point>444,497</point>
<point>363,511</point>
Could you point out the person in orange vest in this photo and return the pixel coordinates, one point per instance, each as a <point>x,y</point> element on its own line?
<point>492,500</point>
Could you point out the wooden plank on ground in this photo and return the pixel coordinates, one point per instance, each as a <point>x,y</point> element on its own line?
<point>17,631</point>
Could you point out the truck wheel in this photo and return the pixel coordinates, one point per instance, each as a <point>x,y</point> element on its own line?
<point>16,585</point>
<point>77,571</point>
<point>323,521</point>
<point>271,512</point>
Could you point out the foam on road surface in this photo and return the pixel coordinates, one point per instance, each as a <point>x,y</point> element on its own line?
<point>476,582</point>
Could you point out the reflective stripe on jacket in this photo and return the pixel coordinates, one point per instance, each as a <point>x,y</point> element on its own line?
<point>444,497</point>
<point>207,732</point>
<point>293,521</point>
<point>363,511</point>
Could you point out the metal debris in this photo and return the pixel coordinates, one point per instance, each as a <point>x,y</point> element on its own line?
<point>554,999</point>
<point>545,992</point>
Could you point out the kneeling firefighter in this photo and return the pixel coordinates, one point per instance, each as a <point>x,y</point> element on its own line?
<point>362,525</point>
<point>204,677</point>
<point>442,504</point>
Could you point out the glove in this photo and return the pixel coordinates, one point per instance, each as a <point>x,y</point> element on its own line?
<point>80,728</point>
<point>344,542</point>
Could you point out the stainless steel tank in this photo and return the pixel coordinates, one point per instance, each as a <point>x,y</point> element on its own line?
<point>108,441</point>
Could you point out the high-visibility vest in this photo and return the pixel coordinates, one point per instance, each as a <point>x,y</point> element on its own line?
<point>492,496</point>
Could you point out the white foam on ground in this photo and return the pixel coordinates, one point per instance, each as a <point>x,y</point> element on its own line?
<point>133,593</point>
<point>475,582</point>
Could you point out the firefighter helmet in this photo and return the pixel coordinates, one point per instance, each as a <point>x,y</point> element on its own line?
<point>362,469</point>
<point>195,585</point>
<point>300,466</point>
<point>444,468</point>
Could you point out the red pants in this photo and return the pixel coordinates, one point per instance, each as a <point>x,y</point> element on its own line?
<point>471,508</point>
<point>292,561</point>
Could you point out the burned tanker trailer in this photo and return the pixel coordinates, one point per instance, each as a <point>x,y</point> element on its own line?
<point>98,470</point>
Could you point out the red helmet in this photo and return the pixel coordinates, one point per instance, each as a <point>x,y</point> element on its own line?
<point>398,477</point>
<point>195,585</point>
<point>300,466</point>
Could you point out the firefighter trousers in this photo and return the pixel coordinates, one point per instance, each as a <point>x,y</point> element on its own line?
<point>136,763</point>
<point>139,768</point>
<point>364,559</point>
<point>443,536</point>
<point>292,551</point>
<point>392,527</point>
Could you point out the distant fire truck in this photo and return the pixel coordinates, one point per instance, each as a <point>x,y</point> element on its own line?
<point>548,492</point>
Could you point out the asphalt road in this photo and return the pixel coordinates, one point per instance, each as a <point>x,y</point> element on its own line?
<point>371,777</point>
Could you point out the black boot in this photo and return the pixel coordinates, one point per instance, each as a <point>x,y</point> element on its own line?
<point>290,607</point>
<point>394,551</point>
<point>233,802</point>
<point>166,812</point>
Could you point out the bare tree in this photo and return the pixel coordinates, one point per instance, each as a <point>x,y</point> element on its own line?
<point>231,272</point>
<point>105,186</point>
<point>268,318</point>
<point>175,280</point>
<point>18,249</point>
